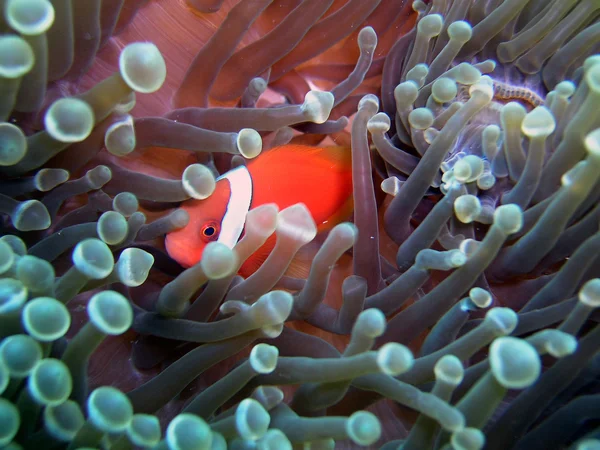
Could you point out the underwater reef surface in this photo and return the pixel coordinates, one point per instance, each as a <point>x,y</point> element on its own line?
<point>455,309</point>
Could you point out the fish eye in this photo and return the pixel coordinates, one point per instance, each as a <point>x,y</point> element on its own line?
<point>210,231</point>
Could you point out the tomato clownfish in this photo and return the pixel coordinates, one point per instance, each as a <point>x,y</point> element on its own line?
<point>319,177</point>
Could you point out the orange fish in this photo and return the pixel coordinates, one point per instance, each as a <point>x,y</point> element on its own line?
<point>319,177</point>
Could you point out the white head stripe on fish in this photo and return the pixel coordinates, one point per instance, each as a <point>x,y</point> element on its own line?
<point>240,185</point>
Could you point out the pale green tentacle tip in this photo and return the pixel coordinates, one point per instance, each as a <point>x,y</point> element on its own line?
<point>391,186</point>
<point>198,181</point>
<point>251,419</point>
<point>119,138</point>
<point>179,218</point>
<point>98,176</point>
<point>421,118</point>
<point>503,320</point>
<point>297,224</point>
<point>262,220</point>
<point>133,266</point>
<point>430,134</point>
<point>590,61</point>
<point>7,257</point>
<point>31,215</point>
<point>13,295</point>
<point>367,39</point>
<point>16,56</point>
<point>218,261</point>
<point>406,93</point>
<point>125,203</point>
<point>144,430</point>
<point>142,67</point>
<point>344,234</point>
<point>268,396</point>
<point>232,307</point>
<point>369,103</point>
<point>491,133</point>
<point>257,86</point>
<point>370,323</point>
<point>561,344</point>
<point>588,444</point>
<point>431,25</point>
<point>50,382</point>
<point>379,123</point>
<point>394,359</point>
<point>460,31</point>
<point>419,6</point>
<point>513,112</point>
<point>69,120</point>
<point>480,297</point>
<point>110,312</point>
<point>35,273</point>
<point>432,259</point>
<point>317,106</point>
<point>509,218</point>
<point>486,181</point>
<point>126,104</point>
<point>538,123</point>
<point>468,247</point>
<point>47,179</point>
<point>486,79</point>
<point>112,228</point>
<point>29,17</point>
<point>249,143</point>
<point>363,428</point>
<point>93,258</point>
<point>565,89</point>
<point>263,358</point>
<point>109,409</point>
<point>483,88</point>
<point>449,369</point>
<point>13,144</point>
<point>274,439</point>
<point>592,142</point>
<point>589,294</point>
<point>468,169</point>
<point>467,208</point>
<point>272,308</point>
<point>218,442</point>
<point>592,76</point>
<point>555,342</point>
<point>467,439</point>
<point>514,362</point>
<point>467,74</point>
<point>63,421</point>
<point>571,177</point>
<point>10,421</point>
<point>188,432</point>
<point>46,319</point>
<point>444,90</point>
<point>16,243</point>
<point>418,74</point>
<point>20,353</point>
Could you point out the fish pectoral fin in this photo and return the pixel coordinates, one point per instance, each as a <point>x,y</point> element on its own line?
<point>298,268</point>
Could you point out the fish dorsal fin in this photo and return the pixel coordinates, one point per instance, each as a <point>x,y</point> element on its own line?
<point>335,156</point>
